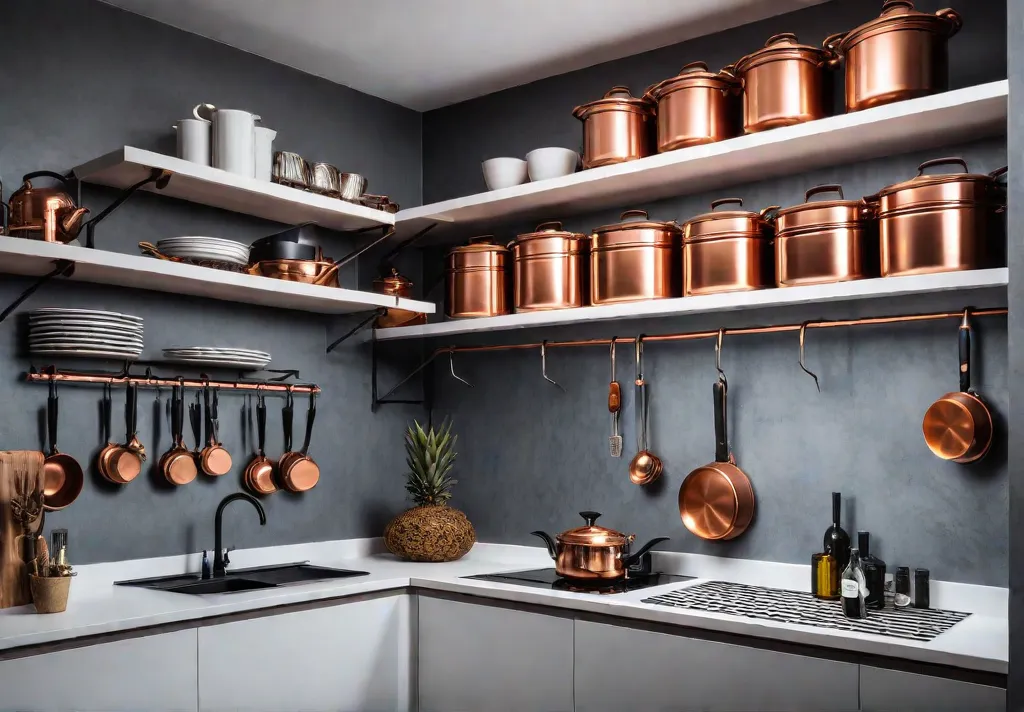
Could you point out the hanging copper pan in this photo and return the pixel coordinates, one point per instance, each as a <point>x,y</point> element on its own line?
<point>177,464</point>
<point>122,463</point>
<point>214,459</point>
<point>62,475</point>
<point>716,501</point>
<point>259,475</point>
<point>299,472</point>
<point>958,426</point>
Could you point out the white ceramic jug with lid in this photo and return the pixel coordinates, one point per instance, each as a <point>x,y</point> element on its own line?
<point>234,141</point>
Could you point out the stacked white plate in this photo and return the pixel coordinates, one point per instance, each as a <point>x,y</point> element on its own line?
<point>205,249</point>
<point>85,332</point>
<point>249,359</point>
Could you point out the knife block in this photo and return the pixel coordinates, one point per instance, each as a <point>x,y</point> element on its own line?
<point>24,468</point>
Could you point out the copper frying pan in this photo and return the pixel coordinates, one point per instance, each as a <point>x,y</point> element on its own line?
<point>122,463</point>
<point>214,459</point>
<point>299,472</point>
<point>177,464</point>
<point>716,501</point>
<point>259,474</point>
<point>958,426</point>
<point>62,475</point>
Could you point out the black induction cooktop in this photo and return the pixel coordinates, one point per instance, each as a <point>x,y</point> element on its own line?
<point>547,578</point>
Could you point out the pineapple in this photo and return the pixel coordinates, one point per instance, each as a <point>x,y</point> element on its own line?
<point>432,530</point>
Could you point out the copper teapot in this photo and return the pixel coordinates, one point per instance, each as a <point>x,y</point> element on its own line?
<point>48,214</point>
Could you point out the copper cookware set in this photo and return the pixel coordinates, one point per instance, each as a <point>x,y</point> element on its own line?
<point>594,553</point>
<point>901,54</point>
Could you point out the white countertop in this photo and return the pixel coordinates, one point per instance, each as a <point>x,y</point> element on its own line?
<point>96,606</point>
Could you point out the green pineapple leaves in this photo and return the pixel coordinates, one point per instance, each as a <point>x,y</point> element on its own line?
<point>430,456</point>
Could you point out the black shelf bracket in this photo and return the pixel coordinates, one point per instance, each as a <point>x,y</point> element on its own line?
<point>379,312</point>
<point>63,268</point>
<point>377,400</point>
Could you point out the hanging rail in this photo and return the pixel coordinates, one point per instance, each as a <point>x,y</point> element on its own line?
<point>148,381</point>
<point>693,335</point>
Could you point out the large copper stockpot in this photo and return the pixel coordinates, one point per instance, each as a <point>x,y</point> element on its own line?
<point>396,285</point>
<point>941,222</point>
<point>594,553</point>
<point>696,106</point>
<point>616,128</point>
<point>825,241</point>
<point>899,55</point>
<point>477,279</point>
<point>728,251</point>
<point>784,83</point>
<point>634,260</point>
<point>550,269</point>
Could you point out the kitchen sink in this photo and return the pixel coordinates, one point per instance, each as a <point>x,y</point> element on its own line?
<point>244,579</point>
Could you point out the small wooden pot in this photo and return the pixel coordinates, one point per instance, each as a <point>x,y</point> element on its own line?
<point>50,593</point>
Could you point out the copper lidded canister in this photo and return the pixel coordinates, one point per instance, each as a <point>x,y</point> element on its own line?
<point>616,128</point>
<point>477,279</point>
<point>635,259</point>
<point>549,269</point>
<point>396,285</point>
<point>696,106</point>
<point>901,54</point>
<point>784,83</point>
<point>941,222</point>
<point>825,240</point>
<point>728,251</point>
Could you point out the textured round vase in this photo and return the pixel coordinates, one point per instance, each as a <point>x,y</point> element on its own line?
<point>434,532</point>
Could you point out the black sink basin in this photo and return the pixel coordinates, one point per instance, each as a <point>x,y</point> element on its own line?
<point>220,585</point>
<point>244,579</point>
<point>293,574</point>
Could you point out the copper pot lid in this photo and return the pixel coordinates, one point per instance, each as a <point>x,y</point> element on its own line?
<point>483,243</point>
<point>549,239</point>
<point>922,180</point>
<point>636,229</point>
<point>822,213</point>
<point>552,228</point>
<point>693,75</point>
<point>784,46</point>
<point>592,534</point>
<point>618,98</point>
<point>731,223</point>
<point>481,253</point>
<point>901,15</point>
<point>394,282</point>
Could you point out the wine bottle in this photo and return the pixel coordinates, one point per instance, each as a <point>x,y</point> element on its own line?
<point>837,541</point>
<point>874,572</point>
<point>854,588</point>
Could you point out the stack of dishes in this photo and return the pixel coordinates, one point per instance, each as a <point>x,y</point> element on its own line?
<point>205,249</point>
<point>84,332</point>
<point>248,359</point>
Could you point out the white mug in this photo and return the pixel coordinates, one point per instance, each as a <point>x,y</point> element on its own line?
<point>263,157</point>
<point>194,140</point>
<point>234,141</point>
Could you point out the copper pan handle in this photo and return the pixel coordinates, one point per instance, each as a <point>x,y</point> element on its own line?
<point>770,213</point>
<point>726,201</point>
<point>956,22</point>
<point>947,161</point>
<point>148,248</point>
<point>825,188</point>
<point>832,42</point>
<point>998,172</point>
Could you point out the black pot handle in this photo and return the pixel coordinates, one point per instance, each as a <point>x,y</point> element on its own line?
<point>590,517</point>
<point>964,342</point>
<point>548,541</point>
<point>826,188</point>
<point>726,201</point>
<point>635,556</point>
<point>48,174</point>
<point>947,161</point>
<point>261,423</point>
<point>310,417</point>
<point>131,402</point>
<point>286,421</point>
<point>195,415</point>
<point>721,424</point>
<point>51,417</point>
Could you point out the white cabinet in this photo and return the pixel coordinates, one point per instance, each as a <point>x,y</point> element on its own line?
<point>157,672</point>
<point>484,658</point>
<point>893,691</point>
<point>626,669</point>
<point>344,657</point>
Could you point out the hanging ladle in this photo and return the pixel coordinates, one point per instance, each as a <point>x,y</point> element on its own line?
<point>645,467</point>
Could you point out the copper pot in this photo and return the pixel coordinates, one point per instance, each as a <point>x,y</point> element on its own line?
<point>593,552</point>
<point>901,54</point>
<point>728,251</point>
<point>48,214</point>
<point>634,260</point>
<point>396,285</point>
<point>825,241</point>
<point>616,128</point>
<point>941,222</point>
<point>696,106</point>
<point>784,83</point>
<point>549,269</point>
<point>477,279</point>
<point>320,272</point>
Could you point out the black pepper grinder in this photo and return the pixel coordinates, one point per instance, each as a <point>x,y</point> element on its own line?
<point>922,591</point>
<point>902,582</point>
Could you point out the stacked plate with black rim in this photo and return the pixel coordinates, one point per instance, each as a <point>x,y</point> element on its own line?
<point>85,332</point>
<point>205,249</point>
<point>246,359</point>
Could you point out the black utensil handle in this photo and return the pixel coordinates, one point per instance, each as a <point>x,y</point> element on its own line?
<point>107,413</point>
<point>286,421</point>
<point>129,411</point>
<point>215,408</point>
<point>310,417</point>
<point>261,424</point>
<point>177,414</point>
<point>195,417</point>
<point>48,174</point>
<point>721,426</point>
<point>635,556</point>
<point>51,417</point>
<point>964,342</point>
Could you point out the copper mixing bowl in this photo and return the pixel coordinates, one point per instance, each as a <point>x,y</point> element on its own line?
<point>320,272</point>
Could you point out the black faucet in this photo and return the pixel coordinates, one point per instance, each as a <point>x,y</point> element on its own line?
<point>219,559</point>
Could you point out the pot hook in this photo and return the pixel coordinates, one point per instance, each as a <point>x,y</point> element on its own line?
<point>803,328</point>
<point>718,360</point>
<point>544,365</point>
<point>451,366</point>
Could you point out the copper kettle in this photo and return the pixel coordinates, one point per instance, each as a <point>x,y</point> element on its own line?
<point>48,214</point>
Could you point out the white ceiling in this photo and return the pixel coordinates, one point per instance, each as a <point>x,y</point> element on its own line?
<point>424,54</point>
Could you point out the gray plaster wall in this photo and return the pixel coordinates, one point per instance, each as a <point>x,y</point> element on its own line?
<point>532,456</point>
<point>84,78</point>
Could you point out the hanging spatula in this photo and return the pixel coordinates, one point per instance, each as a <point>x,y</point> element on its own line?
<point>614,406</point>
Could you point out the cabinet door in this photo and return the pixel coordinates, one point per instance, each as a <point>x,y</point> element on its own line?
<point>351,656</point>
<point>157,672</point>
<point>625,669</point>
<point>484,658</point>
<point>893,691</point>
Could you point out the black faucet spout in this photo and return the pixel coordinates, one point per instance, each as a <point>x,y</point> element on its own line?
<point>218,552</point>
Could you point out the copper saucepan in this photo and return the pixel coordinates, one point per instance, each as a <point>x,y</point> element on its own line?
<point>259,475</point>
<point>215,459</point>
<point>177,464</point>
<point>321,271</point>
<point>958,426</point>
<point>299,472</point>
<point>62,475</point>
<point>122,463</point>
<point>594,553</point>
<point>716,501</point>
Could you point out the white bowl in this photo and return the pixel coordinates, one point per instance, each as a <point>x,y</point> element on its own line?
<point>544,163</point>
<point>504,172</point>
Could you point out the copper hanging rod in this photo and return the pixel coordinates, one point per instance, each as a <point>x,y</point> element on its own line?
<point>115,379</point>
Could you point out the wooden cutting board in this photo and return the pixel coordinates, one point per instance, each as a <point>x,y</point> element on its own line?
<point>20,471</point>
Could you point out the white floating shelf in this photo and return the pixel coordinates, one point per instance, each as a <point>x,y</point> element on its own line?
<point>221,189</point>
<point>884,288</point>
<point>35,258</point>
<point>917,124</point>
